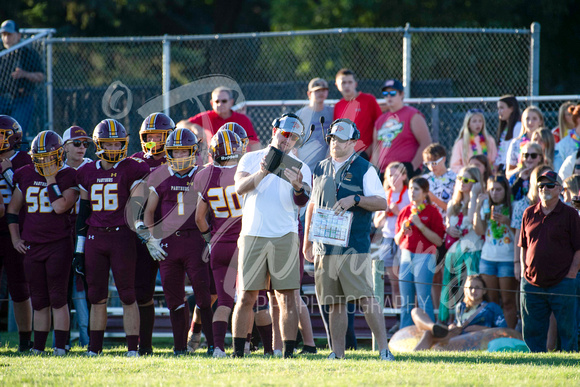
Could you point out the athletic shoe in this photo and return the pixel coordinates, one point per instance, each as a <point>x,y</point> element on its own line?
<point>193,340</point>
<point>180,353</point>
<point>37,352</point>
<point>277,353</point>
<point>132,354</point>
<point>91,354</point>
<point>219,353</point>
<point>210,350</point>
<point>385,354</point>
<point>59,352</point>
<point>25,347</point>
<point>308,350</point>
<point>145,351</point>
<point>333,356</point>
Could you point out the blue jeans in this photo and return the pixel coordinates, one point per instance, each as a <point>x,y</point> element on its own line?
<point>21,109</point>
<point>81,307</point>
<point>538,303</point>
<point>418,268</point>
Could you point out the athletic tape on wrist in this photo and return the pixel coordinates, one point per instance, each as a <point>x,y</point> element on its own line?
<point>9,177</point>
<point>54,192</point>
<point>80,247</point>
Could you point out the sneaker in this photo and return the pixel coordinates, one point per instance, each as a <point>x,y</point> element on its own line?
<point>132,354</point>
<point>180,352</point>
<point>247,349</point>
<point>210,350</point>
<point>59,352</point>
<point>394,328</point>
<point>193,340</point>
<point>25,347</point>
<point>439,330</point>
<point>277,353</point>
<point>91,354</point>
<point>308,350</point>
<point>145,351</point>
<point>385,354</point>
<point>333,356</point>
<point>37,352</point>
<point>219,353</point>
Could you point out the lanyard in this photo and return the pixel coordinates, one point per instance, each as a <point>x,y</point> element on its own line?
<point>345,170</point>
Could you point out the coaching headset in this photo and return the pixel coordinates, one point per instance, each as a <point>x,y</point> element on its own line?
<point>355,135</point>
<point>288,123</point>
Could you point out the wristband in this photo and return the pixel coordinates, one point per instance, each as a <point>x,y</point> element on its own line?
<point>11,218</point>
<point>80,247</point>
<point>54,192</point>
<point>9,177</point>
<point>207,235</point>
<point>299,192</point>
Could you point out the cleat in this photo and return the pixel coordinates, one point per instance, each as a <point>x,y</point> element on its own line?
<point>59,352</point>
<point>91,354</point>
<point>219,353</point>
<point>333,356</point>
<point>37,352</point>
<point>25,347</point>
<point>132,354</point>
<point>385,354</point>
<point>193,340</point>
<point>210,350</point>
<point>308,350</point>
<point>277,353</point>
<point>145,351</point>
<point>182,352</point>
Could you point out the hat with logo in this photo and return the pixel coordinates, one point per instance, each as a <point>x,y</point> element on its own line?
<point>75,133</point>
<point>9,26</point>
<point>393,84</point>
<point>343,129</point>
<point>550,176</point>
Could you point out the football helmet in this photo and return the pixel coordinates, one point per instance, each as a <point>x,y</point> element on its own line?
<point>156,123</point>
<point>240,131</point>
<point>10,133</point>
<point>109,131</point>
<point>47,153</point>
<point>181,139</point>
<point>225,145</point>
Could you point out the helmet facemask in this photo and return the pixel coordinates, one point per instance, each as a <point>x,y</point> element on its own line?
<point>184,163</point>
<point>110,155</point>
<point>48,163</point>
<point>153,147</point>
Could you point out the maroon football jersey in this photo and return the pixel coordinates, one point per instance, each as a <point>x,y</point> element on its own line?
<point>177,198</point>
<point>41,223</point>
<point>150,160</point>
<point>19,160</point>
<point>109,190</point>
<point>216,186</point>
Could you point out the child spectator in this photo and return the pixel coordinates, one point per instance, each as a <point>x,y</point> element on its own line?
<point>492,221</point>
<point>565,122</point>
<point>441,180</point>
<point>473,139</point>
<point>545,138</point>
<point>532,120</point>
<point>532,156</point>
<point>509,128</point>
<point>570,144</point>
<point>482,163</point>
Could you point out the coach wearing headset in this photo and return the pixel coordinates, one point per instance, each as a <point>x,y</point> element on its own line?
<point>346,182</point>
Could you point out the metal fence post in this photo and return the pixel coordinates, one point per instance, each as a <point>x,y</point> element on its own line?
<point>435,122</point>
<point>379,288</point>
<point>535,59</point>
<point>166,73</point>
<point>407,61</point>
<point>49,85</point>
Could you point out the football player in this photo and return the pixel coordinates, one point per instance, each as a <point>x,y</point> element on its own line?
<point>46,191</point>
<point>153,134</point>
<point>219,202</point>
<point>181,247</point>
<point>103,232</point>
<point>10,160</point>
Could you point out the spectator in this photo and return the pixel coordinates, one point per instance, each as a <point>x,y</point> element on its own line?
<point>395,185</point>
<point>316,149</point>
<point>343,274</point>
<point>571,192</point>
<point>20,70</point>
<point>532,119</point>
<point>570,166</point>
<point>473,139</point>
<point>570,144</point>
<point>482,163</point>
<point>509,128</point>
<point>359,107</point>
<point>222,100</point>
<point>474,313</point>
<point>550,258</point>
<point>441,180</point>
<point>419,230</point>
<point>545,138</point>
<point>463,244</point>
<point>401,134</point>
<point>492,221</point>
<point>565,122</point>
<point>532,156</point>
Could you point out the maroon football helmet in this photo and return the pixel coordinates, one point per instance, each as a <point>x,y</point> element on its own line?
<point>47,153</point>
<point>10,133</point>
<point>110,131</point>
<point>225,145</point>
<point>156,123</point>
<point>181,139</point>
<point>240,131</point>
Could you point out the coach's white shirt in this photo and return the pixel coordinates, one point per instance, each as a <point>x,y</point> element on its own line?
<point>269,209</point>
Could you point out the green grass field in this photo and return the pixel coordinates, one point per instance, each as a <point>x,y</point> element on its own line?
<point>361,368</point>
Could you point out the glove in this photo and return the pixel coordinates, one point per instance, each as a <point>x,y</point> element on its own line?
<point>142,232</point>
<point>155,249</point>
<point>78,263</point>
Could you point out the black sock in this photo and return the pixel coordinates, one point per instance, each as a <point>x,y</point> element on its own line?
<point>289,348</point>
<point>239,345</point>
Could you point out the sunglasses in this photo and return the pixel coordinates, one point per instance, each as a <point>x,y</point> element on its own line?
<point>532,156</point>
<point>546,185</point>
<point>433,163</point>
<point>465,179</point>
<point>78,143</point>
<point>392,93</point>
<point>217,101</point>
<point>290,135</point>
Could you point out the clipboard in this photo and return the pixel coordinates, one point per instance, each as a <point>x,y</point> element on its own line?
<point>329,228</point>
<point>277,161</point>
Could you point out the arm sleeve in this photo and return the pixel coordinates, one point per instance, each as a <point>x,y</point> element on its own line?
<point>523,242</point>
<point>84,213</point>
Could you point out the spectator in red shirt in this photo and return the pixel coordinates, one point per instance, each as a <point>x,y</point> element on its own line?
<point>550,258</point>
<point>359,107</point>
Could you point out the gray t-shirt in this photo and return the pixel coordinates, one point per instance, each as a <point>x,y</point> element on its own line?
<point>316,149</point>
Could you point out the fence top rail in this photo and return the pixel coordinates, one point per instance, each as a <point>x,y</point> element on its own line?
<point>417,101</point>
<point>248,35</point>
<point>43,34</point>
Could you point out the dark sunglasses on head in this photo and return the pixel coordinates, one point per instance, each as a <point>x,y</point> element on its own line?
<point>291,135</point>
<point>78,143</point>
<point>546,185</point>
<point>533,156</point>
<point>392,93</point>
<point>220,101</point>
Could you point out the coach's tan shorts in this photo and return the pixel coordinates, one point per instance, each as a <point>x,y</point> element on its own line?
<point>343,278</point>
<point>269,261</point>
